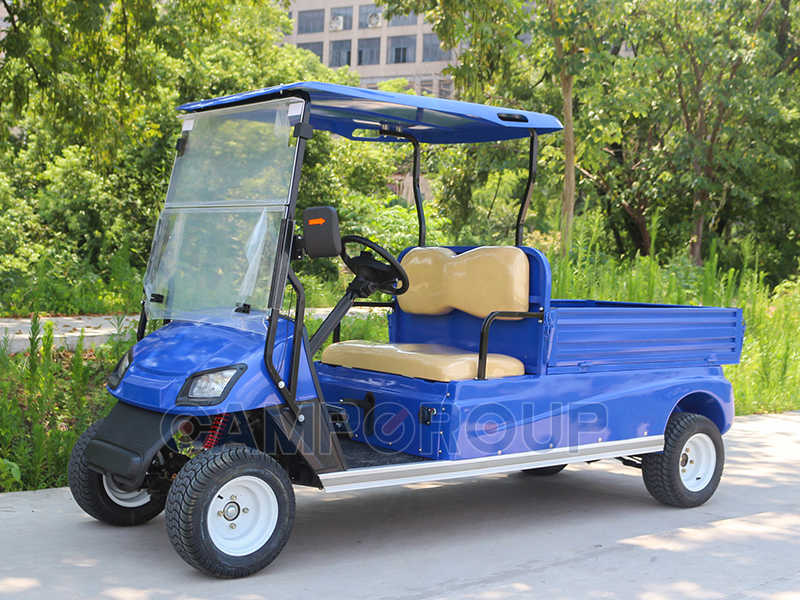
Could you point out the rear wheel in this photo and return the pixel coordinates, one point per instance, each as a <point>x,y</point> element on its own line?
<point>688,471</point>
<point>545,471</point>
<point>100,497</point>
<point>230,511</point>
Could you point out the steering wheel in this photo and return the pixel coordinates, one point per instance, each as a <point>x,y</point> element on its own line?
<point>381,276</point>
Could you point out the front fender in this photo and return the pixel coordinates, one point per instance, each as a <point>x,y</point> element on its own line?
<point>127,441</point>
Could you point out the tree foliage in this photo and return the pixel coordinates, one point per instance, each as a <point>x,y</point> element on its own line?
<point>684,109</point>
<point>685,129</point>
<point>89,91</point>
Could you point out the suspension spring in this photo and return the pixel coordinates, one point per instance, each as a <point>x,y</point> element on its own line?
<point>216,432</point>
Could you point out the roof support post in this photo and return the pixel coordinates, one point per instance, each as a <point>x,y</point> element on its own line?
<point>418,194</point>
<point>415,175</point>
<point>283,273</point>
<point>533,156</point>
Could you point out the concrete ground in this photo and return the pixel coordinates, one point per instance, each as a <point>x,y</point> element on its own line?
<point>591,532</point>
<point>97,329</point>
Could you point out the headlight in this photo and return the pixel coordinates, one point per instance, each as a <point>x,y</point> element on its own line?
<point>119,371</point>
<point>210,387</point>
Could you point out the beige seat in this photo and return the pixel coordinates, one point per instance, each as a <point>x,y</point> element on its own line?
<point>426,361</point>
<point>477,282</point>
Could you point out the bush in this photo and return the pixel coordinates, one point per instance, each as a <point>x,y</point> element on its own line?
<point>47,398</point>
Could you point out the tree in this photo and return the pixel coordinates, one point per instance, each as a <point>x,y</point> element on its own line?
<point>716,61</point>
<point>88,97</point>
<point>495,39</point>
<point>575,30</point>
<point>565,51</point>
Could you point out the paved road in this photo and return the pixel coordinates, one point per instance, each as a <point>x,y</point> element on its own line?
<point>97,329</point>
<point>590,532</point>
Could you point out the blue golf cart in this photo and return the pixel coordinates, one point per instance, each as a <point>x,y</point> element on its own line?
<point>223,407</point>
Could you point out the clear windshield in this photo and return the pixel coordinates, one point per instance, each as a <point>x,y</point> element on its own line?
<point>215,244</point>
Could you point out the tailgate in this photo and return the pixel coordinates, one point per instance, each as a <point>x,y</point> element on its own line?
<point>593,338</point>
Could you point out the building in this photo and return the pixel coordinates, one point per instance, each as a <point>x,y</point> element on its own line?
<point>358,35</point>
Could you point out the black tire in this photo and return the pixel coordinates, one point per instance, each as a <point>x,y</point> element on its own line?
<point>545,471</point>
<point>194,489</point>
<point>90,493</point>
<point>662,471</point>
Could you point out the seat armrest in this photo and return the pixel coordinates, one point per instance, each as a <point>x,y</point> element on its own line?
<point>487,324</point>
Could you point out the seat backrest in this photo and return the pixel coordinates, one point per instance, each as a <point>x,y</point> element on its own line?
<point>477,282</point>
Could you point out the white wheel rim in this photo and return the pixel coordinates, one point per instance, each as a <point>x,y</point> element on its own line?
<point>697,462</point>
<point>242,515</point>
<point>118,496</point>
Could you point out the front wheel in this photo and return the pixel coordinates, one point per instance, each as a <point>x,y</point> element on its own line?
<point>100,497</point>
<point>688,471</point>
<point>230,511</point>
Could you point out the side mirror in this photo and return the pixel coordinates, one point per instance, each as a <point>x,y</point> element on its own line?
<point>321,232</point>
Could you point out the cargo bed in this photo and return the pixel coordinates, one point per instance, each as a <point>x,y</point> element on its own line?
<point>593,336</point>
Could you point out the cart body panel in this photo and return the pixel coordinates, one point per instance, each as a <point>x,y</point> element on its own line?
<point>472,419</point>
<point>164,360</point>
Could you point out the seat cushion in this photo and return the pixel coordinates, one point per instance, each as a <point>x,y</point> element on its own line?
<point>477,282</point>
<point>425,361</point>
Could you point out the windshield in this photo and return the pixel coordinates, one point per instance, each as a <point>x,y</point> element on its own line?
<point>216,240</point>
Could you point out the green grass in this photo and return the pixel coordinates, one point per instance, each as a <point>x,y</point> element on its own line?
<point>356,327</point>
<point>48,396</point>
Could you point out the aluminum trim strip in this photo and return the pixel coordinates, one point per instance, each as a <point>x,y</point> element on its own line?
<point>437,470</point>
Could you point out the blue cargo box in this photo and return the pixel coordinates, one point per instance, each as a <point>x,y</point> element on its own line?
<point>589,336</point>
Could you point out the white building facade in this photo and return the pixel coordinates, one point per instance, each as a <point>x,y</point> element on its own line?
<point>358,36</point>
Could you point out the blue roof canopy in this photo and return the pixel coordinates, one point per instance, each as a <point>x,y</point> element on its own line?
<point>344,110</point>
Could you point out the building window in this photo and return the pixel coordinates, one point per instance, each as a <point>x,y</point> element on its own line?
<point>432,50</point>
<point>341,18</point>
<point>339,54</point>
<point>311,21</point>
<point>445,88</point>
<point>369,16</point>
<point>315,47</point>
<point>426,87</point>
<point>369,51</point>
<point>400,20</point>
<point>402,49</point>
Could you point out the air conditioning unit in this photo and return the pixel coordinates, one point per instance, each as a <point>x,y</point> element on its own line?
<point>374,20</point>
<point>337,23</point>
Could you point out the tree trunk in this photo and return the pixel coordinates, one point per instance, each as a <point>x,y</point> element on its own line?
<point>696,243</point>
<point>645,240</point>
<point>638,228</point>
<point>568,193</point>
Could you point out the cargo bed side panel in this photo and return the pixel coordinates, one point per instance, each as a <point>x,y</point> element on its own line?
<point>590,338</point>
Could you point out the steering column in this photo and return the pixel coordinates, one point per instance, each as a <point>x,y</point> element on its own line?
<point>371,275</point>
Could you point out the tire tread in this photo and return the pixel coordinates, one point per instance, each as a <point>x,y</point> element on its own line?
<point>658,469</point>
<point>184,500</point>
